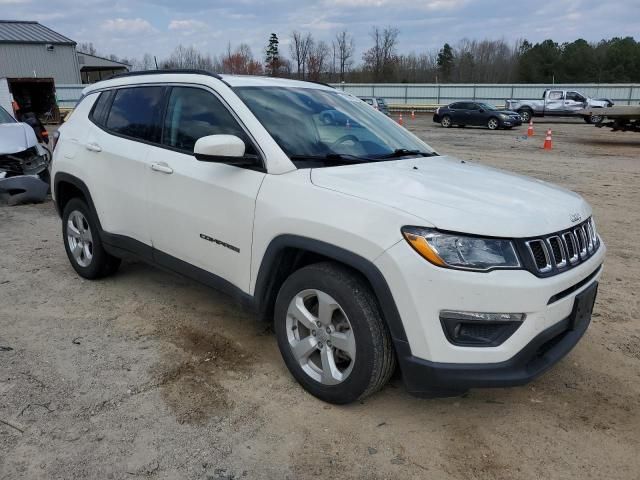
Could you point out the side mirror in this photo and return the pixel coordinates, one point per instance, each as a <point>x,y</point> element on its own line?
<point>220,148</point>
<point>482,110</point>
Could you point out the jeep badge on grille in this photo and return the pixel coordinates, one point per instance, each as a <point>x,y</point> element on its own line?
<point>575,217</point>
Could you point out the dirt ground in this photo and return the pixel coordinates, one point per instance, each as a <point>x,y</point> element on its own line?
<point>147,375</point>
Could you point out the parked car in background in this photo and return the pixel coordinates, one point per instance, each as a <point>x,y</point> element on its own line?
<point>377,103</point>
<point>476,114</point>
<point>20,150</point>
<point>559,103</point>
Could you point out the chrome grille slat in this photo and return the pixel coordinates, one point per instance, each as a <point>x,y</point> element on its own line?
<point>563,249</point>
<point>571,245</point>
<point>546,267</point>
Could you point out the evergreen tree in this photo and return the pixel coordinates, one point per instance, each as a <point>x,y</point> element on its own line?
<point>272,59</point>
<point>445,62</point>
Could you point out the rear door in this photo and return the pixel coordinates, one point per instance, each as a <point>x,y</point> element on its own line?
<point>124,122</point>
<point>201,212</point>
<point>554,105</point>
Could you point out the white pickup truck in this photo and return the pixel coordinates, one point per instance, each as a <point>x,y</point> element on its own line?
<point>560,103</point>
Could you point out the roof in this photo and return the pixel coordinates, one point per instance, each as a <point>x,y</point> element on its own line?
<point>200,77</point>
<point>88,60</point>
<point>20,31</point>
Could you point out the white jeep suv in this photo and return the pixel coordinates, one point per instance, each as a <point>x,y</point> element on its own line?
<point>365,247</point>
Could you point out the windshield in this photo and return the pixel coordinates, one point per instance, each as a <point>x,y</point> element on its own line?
<point>486,106</point>
<point>5,117</point>
<point>310,123</point>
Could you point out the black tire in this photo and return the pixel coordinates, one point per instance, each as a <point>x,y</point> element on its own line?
<point>375,359</point>
<point>593,119</point>
<point>525,114</point>
<point>446,121</point>
<point>101,264</point>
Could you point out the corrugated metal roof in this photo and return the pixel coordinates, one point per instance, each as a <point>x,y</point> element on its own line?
<point>18,31</point>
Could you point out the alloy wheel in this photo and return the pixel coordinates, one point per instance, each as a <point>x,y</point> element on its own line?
<point>79,238</point>
<point>493,124</point>
<point>320,337</point>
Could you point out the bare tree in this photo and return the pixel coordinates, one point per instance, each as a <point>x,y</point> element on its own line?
<point>379,59</point>
<point>299,48</point>
<point>344,46</point>
<point>187,57</point>
<point>318,59</point>
<point>87,47</point>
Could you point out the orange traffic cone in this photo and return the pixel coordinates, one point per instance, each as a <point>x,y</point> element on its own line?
<point>413,115</point>
<point>547,141</point>
<point>530,129</point>
<point>400,119</point>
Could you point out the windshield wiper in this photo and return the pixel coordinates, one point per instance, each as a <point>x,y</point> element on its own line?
<point>403,152</point>
<point>334,158</point>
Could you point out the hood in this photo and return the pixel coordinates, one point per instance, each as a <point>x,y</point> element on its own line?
<point>598,103</point>
<point>508,112</point>
<point>16,137</point>
<point>459,196</point>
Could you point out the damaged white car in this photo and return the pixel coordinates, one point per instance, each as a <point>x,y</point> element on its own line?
<point>24,163</point>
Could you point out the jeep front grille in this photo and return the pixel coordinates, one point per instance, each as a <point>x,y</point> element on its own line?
<point>556,252</point>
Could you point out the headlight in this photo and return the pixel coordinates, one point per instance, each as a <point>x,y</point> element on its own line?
<point>462,252</point>
<point>504,116</point>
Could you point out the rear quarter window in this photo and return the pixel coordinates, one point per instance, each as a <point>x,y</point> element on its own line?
<point>101,108</point>
<point>135,112</point>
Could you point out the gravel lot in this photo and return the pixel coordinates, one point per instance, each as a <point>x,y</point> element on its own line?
<point>149,375</point>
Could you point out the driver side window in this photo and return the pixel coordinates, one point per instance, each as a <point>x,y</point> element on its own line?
<point>193,113</point>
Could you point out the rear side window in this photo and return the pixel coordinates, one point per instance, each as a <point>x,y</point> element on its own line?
<point>101,108</point>
<point>135,112</point>
<point>381,101</point>
<point>193,113</point>
<point>368,100</point>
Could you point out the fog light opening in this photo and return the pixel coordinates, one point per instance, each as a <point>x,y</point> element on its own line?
<point>479,329</point>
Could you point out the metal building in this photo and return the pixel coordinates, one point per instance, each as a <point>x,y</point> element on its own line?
<point>94,68</point>
<point>33,59</point>
<point>28,49</point>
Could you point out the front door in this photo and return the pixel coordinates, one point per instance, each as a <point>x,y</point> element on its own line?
<point>201,212</point>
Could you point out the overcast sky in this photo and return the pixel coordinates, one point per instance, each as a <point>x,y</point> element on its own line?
<point>131,28</point>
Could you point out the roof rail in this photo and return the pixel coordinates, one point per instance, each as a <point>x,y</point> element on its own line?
<point>160,72</point>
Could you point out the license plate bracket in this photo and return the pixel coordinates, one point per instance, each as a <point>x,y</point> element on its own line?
<point>583,306</point>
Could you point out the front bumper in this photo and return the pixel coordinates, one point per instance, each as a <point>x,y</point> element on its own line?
<point>421,291</point>
<point>436,118</point>
<point>422,377</point>
<point>510,123</point>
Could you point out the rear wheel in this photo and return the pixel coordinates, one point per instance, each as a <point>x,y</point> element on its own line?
<point>493,123</point>
<point>331,334</point>
<point>446,121</point>
<point>82,242</point>
<point>525,114</point>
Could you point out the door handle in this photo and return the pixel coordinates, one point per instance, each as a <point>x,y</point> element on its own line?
<point>93,147</point>
<point>162,168</point>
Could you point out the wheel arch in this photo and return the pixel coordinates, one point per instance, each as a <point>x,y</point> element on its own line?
<point>287,253</point>
<point>65,187</point>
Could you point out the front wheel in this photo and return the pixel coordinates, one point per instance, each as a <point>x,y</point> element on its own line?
<point>331,333</point>
<point>446,121</point>
<point>493,123</point>
<point>593,119</point>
